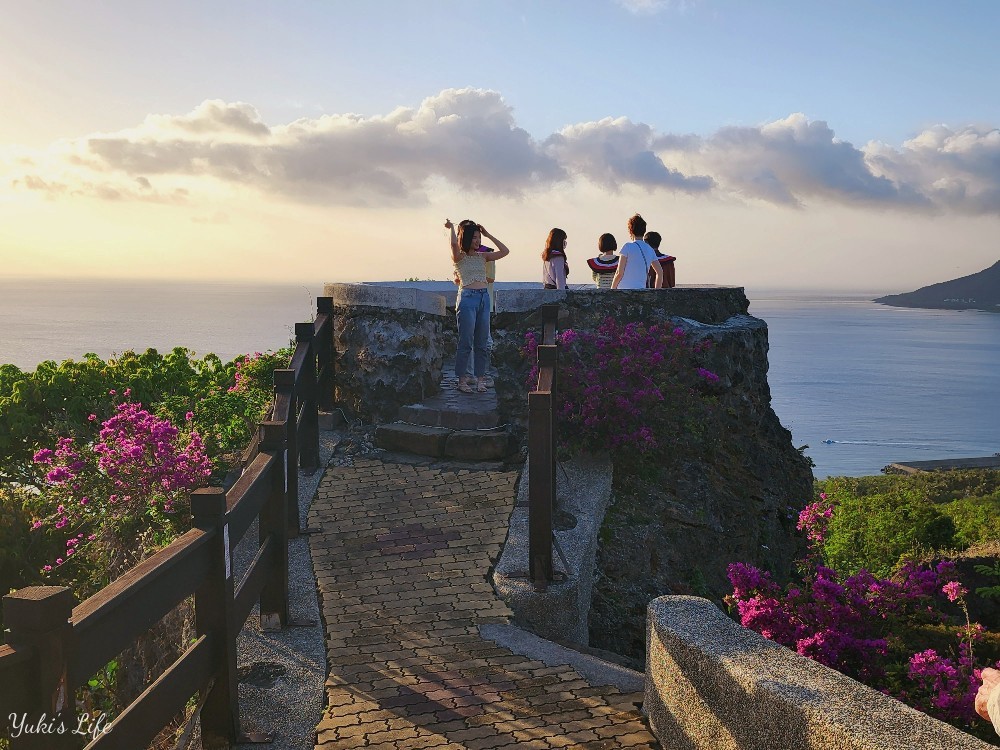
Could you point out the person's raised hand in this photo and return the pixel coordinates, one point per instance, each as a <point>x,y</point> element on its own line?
<point>448,224</point>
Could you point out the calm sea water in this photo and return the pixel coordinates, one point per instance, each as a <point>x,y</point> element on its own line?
<point>865,385</point>
<point>862,384</point>
<point>60,320</point>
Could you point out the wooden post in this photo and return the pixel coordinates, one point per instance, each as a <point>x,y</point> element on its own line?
<point>284,382</point>
<point>548,356</point>
<point>213,606</point>
<point>38,618</point>
<point>540,483</point>
<point>309,439</point>
<point>325,356</point>
<point>272,524</point>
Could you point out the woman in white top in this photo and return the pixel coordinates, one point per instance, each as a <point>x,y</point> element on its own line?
<point>635,259</point>
<point>555,268</point>
<point>473,308</point>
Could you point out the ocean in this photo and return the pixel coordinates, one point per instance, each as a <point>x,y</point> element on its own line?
<point>862,384</point>
<point>865,385</point>
<point>57,320</point>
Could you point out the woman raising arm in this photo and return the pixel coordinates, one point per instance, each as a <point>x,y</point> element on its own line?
<point>473,307</point>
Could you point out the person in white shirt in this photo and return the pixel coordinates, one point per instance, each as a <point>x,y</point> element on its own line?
<point>635,259</point>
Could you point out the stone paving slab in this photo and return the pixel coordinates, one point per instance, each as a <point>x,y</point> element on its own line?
<point>402,566</point>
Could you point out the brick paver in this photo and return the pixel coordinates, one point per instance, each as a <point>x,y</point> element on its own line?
<point>402,566</point>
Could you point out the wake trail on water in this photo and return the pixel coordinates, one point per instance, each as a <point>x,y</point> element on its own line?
<point>885,443</point>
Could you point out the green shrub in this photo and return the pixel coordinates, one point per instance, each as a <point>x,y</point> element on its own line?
<point>876,531</point>
<point>976,519</point>
<point>883,520</point>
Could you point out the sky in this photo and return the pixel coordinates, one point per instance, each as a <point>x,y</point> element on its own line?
<point>773,144</point>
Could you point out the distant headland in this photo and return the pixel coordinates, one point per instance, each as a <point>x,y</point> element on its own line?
<point>980,291</point>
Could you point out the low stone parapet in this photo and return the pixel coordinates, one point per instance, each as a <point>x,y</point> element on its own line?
<point>713,684</point>
<point>560,612</point>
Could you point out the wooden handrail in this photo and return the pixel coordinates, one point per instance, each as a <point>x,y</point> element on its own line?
<point>542,454</point>
<point>54,647</point>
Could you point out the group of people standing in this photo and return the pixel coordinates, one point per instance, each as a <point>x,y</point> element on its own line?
<point>638,265</point>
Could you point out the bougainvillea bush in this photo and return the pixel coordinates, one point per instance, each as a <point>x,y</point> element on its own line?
<point>907,634</point>
<point>118,498</point>
<point>633,389</point>
<point>97,457</point>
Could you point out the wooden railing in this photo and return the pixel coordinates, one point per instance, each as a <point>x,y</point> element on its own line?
<point>542,454</point>
<point>53,648</point>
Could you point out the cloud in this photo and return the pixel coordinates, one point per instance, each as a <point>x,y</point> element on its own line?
<point>650,7</point>
<point>466,136</point>
<point>958,170</point>
<point>788,161</point>
<point>469,139</point>
<point>613,152</point>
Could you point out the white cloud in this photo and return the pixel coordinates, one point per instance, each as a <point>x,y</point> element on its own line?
<point>957,170</point>
<point>469,139</point>
<point>788,161</point>
<point>616,152</point>
<point>649,7</point>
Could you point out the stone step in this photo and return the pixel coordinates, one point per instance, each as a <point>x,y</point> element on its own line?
<point>453,417</point>
<point>441,442</point>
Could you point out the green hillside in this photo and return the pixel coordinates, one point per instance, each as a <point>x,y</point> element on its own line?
<point>980,291</point>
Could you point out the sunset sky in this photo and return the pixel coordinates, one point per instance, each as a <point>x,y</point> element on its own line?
<point>848,145</point>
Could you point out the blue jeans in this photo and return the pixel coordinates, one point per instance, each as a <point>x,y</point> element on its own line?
<point>473,313</point>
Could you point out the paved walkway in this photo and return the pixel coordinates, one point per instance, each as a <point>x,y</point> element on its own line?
<point>402,565</point>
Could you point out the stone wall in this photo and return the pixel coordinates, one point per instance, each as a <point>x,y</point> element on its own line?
<point>713,685</point>
<point>391,345</point>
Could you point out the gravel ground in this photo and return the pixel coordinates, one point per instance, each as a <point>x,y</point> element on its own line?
<point>282,674</point>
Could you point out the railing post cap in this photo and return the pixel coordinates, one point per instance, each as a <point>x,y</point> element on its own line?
<point>273,436</point>
<point>36,609</point>
<point>324,304</point>
<point>284,377</point>
<point>304,331</point>
<point>548,355</point>
<point>208,503</point>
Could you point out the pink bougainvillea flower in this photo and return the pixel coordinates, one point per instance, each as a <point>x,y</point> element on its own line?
<point>954,591</point>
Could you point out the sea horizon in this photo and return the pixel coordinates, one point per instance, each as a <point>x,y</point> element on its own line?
<point>861,383</point>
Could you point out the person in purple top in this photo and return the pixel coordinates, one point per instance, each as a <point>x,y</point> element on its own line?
<point>555,267</point>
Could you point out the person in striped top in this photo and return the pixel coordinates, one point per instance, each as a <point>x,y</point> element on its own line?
<point>603,267</point>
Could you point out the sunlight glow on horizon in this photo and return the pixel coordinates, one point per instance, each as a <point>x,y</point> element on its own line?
<point>121,159</point>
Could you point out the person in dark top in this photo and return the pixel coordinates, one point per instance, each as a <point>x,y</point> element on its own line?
<point>653,239</point>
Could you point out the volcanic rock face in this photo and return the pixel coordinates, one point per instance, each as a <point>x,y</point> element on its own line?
<point>733,496</point>
<point>387,358</point>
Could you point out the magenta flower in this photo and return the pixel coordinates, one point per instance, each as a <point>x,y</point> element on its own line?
<point>954,591</point>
